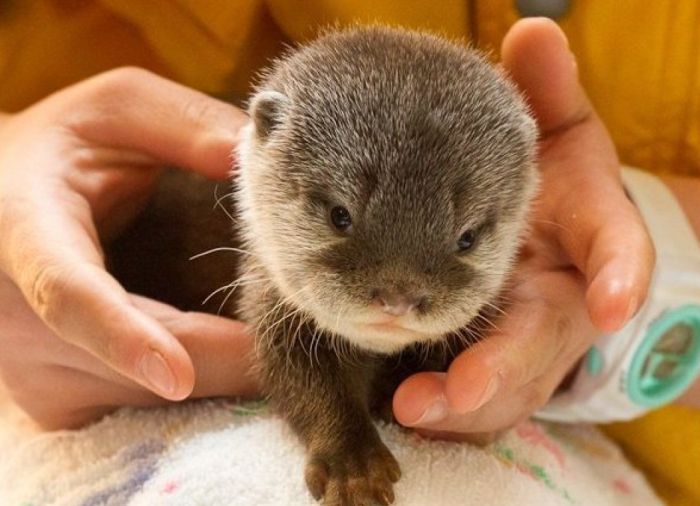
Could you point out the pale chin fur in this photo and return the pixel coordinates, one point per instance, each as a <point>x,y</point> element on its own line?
<point>377,340</point>
<point>383,341</point>
<point>362,328</point>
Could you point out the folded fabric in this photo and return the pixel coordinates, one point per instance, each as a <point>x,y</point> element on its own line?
<point>213,453</point>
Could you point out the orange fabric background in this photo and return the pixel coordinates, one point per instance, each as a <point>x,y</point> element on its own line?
<point>639,62</point>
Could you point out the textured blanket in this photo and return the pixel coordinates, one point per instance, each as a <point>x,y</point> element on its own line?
<point>224,453</point>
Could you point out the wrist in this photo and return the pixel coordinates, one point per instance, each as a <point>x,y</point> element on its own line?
<point>691,397</point>
<point>686,189</point>
<point>5,118</point>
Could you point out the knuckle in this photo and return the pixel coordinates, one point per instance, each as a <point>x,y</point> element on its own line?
<point>120,80</point>
<point>116,351</point>
<point>563,330</point>
<point>201,110</point>
<point>535,396</point>
<point>571,340</point>
<point>117,346</point>
<point>106,93</point>
<point>48,290</point>
<point>96,100</point>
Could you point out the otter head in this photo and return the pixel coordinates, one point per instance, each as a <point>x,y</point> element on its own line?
<point>384,181</point>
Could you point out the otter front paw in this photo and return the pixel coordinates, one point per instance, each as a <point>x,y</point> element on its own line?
<point>357,476</point>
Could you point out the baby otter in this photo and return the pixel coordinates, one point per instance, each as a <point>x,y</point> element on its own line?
<point>383,185</point>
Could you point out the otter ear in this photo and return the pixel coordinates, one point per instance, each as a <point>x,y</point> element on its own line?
<point>268,110</point>
<point>529,130</point>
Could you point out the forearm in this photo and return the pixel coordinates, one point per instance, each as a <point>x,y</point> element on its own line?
<point>686,190</point>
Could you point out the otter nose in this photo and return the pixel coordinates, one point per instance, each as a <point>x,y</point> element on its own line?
<point>394,303</point>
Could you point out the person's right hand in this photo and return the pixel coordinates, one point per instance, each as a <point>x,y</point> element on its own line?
<point>74,170</point>
<point>584,269</point>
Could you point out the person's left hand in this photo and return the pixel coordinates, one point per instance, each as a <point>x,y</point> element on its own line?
<point>585,268</point>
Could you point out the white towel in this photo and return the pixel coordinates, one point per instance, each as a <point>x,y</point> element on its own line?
<point>213,453</point>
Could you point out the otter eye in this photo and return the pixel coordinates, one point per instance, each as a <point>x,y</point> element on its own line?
<point>340,217</point>
<point>466,240</point>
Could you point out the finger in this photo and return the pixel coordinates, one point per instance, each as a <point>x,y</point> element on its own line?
<point>71,388</point>
<point>66,398</point>
<point>57,265</point>
<point>135,109</point>
<point>223,355</point>
<point>618,254</point>
<point>598,227</point>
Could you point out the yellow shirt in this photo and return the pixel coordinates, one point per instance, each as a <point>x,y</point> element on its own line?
<point>640,63</point>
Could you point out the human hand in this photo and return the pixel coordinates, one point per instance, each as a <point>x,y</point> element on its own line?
<point>74,170</point>
<point>585,267</point>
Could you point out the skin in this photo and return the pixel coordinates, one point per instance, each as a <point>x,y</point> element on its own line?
<point>686,190</point>
<point>66,169</point>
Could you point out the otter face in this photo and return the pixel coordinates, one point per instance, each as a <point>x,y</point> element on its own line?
<point>386,196</point>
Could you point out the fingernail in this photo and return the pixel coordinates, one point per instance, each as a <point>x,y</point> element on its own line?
<point>631,308</point>
<point>488,392</point>
<point>435,413</point>
<point>155,370</point>
<point>574,62</point>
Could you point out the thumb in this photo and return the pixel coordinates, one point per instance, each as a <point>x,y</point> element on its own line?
<point>58,266</point>
<point>596,225</point>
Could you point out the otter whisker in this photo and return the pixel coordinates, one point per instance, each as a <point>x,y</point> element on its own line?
<point>296,337</point>
<point>277,307</point>
<point>219,204</point>
<point>315,338</point>
<point>223,302</point>
<point>497,309</point>
<point>220,289</point>
<point>234,286</point>
<point>291,338</point>
<point>480,318</point>
<point>221,248</point>
<point>340,344</point>
<point>466,337</point>
<point>553,223</point>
